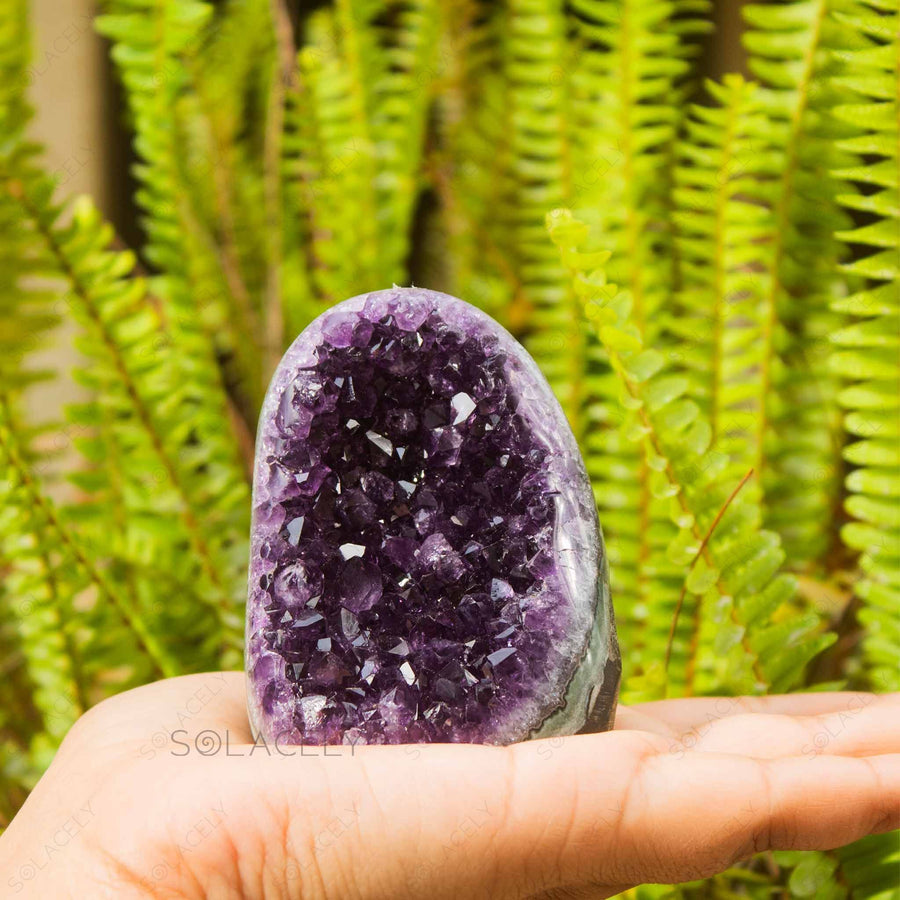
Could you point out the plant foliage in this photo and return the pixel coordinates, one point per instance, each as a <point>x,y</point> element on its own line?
<point>736,395</point>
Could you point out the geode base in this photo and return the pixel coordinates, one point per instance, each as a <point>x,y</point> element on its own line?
<point>426,560</point>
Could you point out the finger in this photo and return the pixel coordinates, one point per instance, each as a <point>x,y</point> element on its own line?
<point>677,717</point>
<point>598,811</point>
<point>616,817</point>
<point>857,731</point>
<point>147,718</point>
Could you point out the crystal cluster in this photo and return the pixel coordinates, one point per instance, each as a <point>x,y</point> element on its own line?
<point>426,563</point>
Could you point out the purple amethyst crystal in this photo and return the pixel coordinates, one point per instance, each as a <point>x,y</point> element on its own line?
<point>426,561</point>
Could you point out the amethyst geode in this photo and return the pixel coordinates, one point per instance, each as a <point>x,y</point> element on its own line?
<point>426,561</point>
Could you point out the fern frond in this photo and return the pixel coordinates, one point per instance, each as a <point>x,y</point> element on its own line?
<point>466,164</point>
<point>230,117</point>
<point>537,175</point>
<point>210,310</point>
<point>361,109</point>
<point>797,436</point>
<point>54,533</point>
<point>361,68</point>
<point>739,645</point>
<point>869,867</point>
<point>632,65</point>
<point>720,239</point>
<point>35,620</point>
<point>205,315</point>
<point>282,255</point>
<point>403,97</point>
<point>161,422</point>
<point>867,350</point>
<point>38,590</point>
<point>25,317</point>
<point>15,54</point>
<point>39,593</point>
<point>334,160</point>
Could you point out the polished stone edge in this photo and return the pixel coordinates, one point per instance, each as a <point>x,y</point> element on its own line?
<point>590,701</point>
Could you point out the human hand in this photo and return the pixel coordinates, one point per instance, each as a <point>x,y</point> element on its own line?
<point>146,799</point>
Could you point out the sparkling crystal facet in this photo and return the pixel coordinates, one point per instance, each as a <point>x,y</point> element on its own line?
<point>426,562</point>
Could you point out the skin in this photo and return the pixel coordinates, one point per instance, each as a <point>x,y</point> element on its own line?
<point>133,807</point>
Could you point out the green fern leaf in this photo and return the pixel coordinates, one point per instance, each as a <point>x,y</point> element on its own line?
<point>867,351</point>
<point>733,642</point>
<point>794,50</point>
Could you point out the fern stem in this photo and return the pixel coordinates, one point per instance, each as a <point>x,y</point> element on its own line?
<point>119,511</point>
<point>696,619</point>
<point>578,334</point>
<point>238,384</point>
<point>695,531</point>
<point>282,77</point>
<point>223,193</point>
<point>519,310</point>
<point>359,85</point>
<point>635,282</point>
<point>779,237</point>
<point>245,449</point>
<point>143,414</point>
<point>75,662</point>
<point>303,98</point>
<point>243,318</point>
<point>720,269</point>
<point>694,562</point>
<point>632,237</point>
<point>456,99</point>
<point>165,666</point>
<point>652,437</point>
<point>632,226</point>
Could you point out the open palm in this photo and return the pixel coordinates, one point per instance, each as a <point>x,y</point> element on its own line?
<point>159,792</point>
